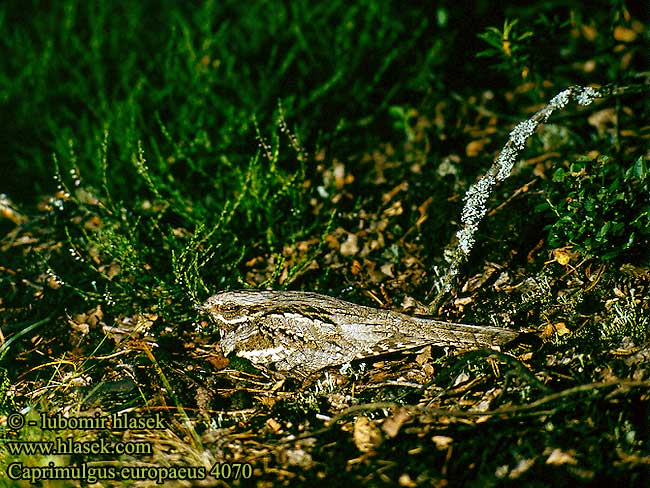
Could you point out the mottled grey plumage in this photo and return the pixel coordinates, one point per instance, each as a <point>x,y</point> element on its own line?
<point>302,332</point>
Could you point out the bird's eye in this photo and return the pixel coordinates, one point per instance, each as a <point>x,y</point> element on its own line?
<point>229,311</point>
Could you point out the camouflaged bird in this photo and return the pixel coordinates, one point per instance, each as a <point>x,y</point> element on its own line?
<point>301,332</point>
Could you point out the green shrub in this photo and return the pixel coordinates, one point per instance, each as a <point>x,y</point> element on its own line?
<point>599,207</point>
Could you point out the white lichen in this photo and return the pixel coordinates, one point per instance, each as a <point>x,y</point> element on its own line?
<point>520,134</point>
<point>587,95</point>
<point>465,240</point>
<point>506,161</point>
<point>559,101</point>
<point>475,200</point>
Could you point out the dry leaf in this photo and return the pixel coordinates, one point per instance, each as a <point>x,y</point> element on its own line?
<point>393,210</point>
<point>9,211</point>
<point>81,327</point>
<point>130,327</point>
<point>392,424</point>
<point>298,457</point>
<point>623,34</point>
<point>461,302</point>
<point>559,329</point>
<point>82,322</point>
<point>367,435</point>
<point>218,362</point>
<point>564,255</point>
<point>350,246</point>
<point>54,283</point>
<point>523,466</point>
<point>442,442</point>
<point>387,269</point>
<point>474,148</point>
<point>461,378</point>
<point>405,480</point>
<point>559,457</point>
<point>527,356</point>
<point>602,119</point>
<point>273,425</point>
<point>589,32</point>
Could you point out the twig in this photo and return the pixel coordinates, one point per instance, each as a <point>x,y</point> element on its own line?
<point>446,412</point>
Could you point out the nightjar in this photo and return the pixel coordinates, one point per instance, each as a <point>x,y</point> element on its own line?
<point>302,332</point>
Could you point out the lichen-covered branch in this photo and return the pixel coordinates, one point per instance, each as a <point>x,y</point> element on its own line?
<point>477,195</point>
